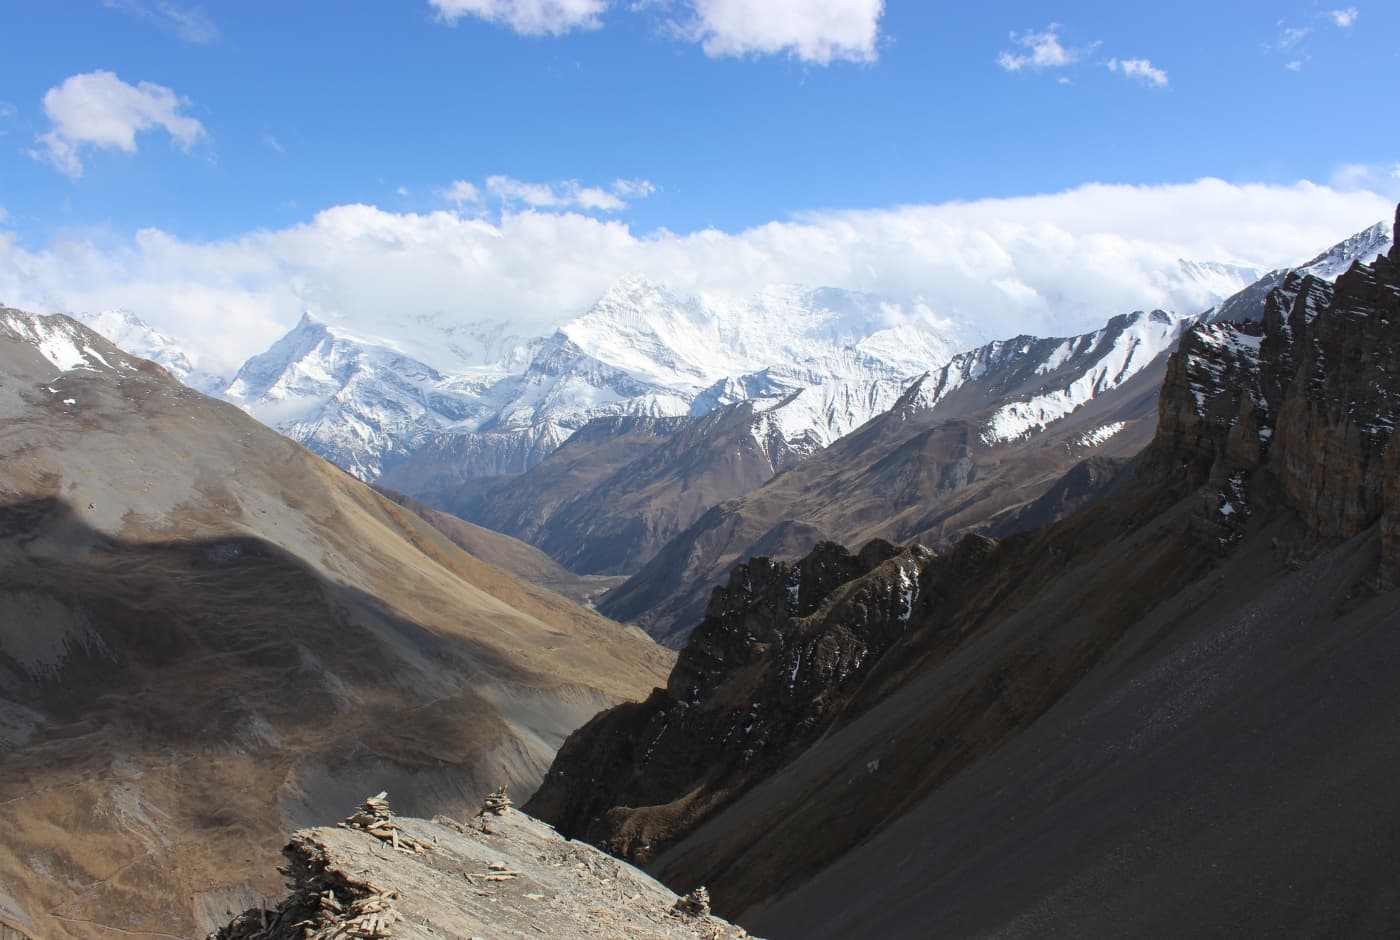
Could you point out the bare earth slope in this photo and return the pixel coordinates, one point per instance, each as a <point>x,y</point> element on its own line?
<point>509,554</point>
<point>209,636</point>
<point>1172,713</point>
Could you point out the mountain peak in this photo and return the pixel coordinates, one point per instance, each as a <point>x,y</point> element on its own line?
<point>1364,246</point>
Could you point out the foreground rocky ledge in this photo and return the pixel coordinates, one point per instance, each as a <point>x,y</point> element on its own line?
<point>498,876</point>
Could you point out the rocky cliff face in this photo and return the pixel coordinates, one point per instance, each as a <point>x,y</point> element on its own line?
<point>776,658</point>
<point>1028,726</point>
<point>1299,408</point>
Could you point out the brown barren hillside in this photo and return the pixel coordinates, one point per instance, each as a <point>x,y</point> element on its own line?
<point>209,636</point>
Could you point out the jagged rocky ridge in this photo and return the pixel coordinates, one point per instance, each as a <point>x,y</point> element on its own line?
<point>1170,712</point>
<point>1365,246</point>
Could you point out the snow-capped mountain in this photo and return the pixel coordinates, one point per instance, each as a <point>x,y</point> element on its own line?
<point>642,349</point>
<point>818,362</point>
<point>1086,367</point>
<point>139,338</point>
<point>810,418</point>
<point>356,401</point>
<point>1214,277</point>
<point>1364,246</point>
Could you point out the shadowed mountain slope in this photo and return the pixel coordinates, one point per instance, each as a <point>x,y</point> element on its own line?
<point>208,635</point>
<point>1171,713</point>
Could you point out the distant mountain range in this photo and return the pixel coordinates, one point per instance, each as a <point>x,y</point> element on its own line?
<point>481,400</point>
<point>462,403</point>
<point>366,404</point>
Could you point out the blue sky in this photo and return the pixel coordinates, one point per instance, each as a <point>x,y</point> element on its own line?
<point>209,124</point>
<point>366,98</point>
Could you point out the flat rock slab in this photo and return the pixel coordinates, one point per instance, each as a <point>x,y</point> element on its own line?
<point>496,877</point>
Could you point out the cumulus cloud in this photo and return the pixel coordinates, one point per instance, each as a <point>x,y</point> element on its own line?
<point>1051,264</point>
<point>1043,51</point>
<point>189,23</point>
<point>98,109</point>
<point>1343,18</point>
<point>816,31</point>
<point>528,17</point>
<point>1141,69</point>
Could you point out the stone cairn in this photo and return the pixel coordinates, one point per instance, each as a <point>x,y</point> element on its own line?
<point>497,804</point>
<point>375,817</point>
<point>694,904</point>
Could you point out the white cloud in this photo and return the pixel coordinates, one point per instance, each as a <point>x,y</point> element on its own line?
<point>98,109</point>
<point>567,194</point>
<point>816,31</point>
<point>7,110</point>
<point>1141,69</point>
<point>273,143</point>
<point>1045,51</point>
<point>1344,18</point>
<point>1294,65</point>
<point>1059,263</point>
<point>528,17</point>
<point>459,193</point>
<point>634,189</point>
<point>189,23</point>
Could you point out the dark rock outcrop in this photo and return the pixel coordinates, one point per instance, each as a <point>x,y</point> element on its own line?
<point>775,660</point>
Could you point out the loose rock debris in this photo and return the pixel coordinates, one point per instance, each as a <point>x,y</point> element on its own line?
<point>516,879</point>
